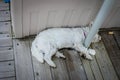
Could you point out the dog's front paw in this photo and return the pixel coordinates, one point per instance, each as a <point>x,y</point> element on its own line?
<point>50,62</point>
<point>91,51</point>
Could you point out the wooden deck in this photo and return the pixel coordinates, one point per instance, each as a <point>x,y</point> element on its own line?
<point>7,66</point>
<point>73,68</point>
<point>17,63</point>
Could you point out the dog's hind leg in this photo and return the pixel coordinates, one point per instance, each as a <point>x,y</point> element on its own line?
<point>48,57</point>
<point>84,50</point>
<point>59,55</point>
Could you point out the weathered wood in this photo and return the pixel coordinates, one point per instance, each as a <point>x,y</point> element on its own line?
<point>104,62</point>
<point>6,55</point>
<point>74,65</point>
<point>41,71</point>
<point>4,35</point>
<point>10,78</point>
<point>5,41</point>
<point>24,69</point>
<point>7,69</point>
<point>2,3</point>
<point>7,74</point>
<point>5,27</point>
<point>113,50</point>
<point>96,71</point>
<point>7,66</point>
<point>60,72</point>
<point>4,15</point>
<point>4,6</point>
<point>117,37</point>
<point>5,48</point>
<point>88,69</point>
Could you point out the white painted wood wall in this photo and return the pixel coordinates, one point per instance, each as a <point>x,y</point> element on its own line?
<point>31,16</point>
<point>113,19</point>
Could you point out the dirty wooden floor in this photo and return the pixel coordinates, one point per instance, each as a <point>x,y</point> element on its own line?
<point>17,63</point>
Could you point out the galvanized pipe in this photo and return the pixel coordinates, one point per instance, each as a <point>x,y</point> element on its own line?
<point>101,16</point>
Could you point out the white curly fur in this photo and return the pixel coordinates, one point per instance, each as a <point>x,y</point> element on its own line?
<point>49,41</point>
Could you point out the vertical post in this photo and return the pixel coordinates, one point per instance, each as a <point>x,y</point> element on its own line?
<point>105,9</point>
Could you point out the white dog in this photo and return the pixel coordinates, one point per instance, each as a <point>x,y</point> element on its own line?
<point>49,41</point>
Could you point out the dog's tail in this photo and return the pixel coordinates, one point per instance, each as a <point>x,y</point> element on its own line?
<point>37,54</point>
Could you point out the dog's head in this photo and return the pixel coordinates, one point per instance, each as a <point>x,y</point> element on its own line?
<point>96,38</point>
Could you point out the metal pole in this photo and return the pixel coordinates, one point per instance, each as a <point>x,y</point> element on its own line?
<point>105,9</point>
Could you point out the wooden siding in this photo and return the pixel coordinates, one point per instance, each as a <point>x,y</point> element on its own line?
<point>113,17</point>
<point>30,17</point>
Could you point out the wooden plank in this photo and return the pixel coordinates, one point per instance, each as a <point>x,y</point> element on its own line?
<point>3,4</point>
<point>7,74</point>
<point>4,8</point>
<point>5,41</point>
<point>4,35</point>
<point>117,37</point>
<point>6,66</point>
<point>95,68</point>
<point>6,55</point>
<point>7,69</point>
<point>5,27</point>
<point>10,78</point>
<point>5,48</point>
<point>104,62</point>
<point>74,65</point>
<point>60,72</point>
<point>113,50</point>
<point>4,15</point>
<point>24,69</point>
<point>88,69</point>
<point>110,44</point>
<point>41,71</point>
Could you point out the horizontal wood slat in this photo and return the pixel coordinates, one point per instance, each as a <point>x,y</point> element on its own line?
<point>7,69</point>
<point>5,41</point>
<point>5,27</point>
<point>6,55</point>
<point>4,15</point>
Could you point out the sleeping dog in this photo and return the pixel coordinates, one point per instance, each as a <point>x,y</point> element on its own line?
<point>48,42</point>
